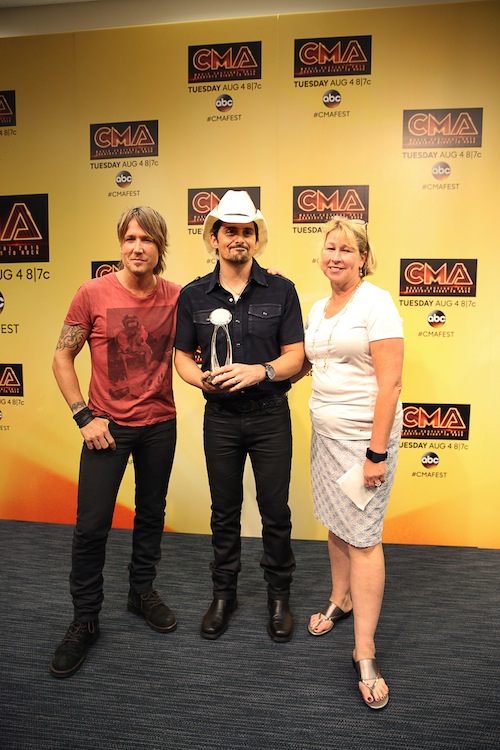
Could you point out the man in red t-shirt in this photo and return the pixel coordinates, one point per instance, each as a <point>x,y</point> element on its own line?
<point>128,320</point>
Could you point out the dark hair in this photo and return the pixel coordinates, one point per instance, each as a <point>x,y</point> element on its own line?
<point>219,222</point>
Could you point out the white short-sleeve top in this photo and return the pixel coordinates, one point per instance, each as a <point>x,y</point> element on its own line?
<point>344,386</point>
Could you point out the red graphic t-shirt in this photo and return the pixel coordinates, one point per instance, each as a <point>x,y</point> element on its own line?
<point>131,341</point>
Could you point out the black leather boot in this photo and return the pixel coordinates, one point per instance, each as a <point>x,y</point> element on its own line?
<point>280,625</point>
<point>217,618</point>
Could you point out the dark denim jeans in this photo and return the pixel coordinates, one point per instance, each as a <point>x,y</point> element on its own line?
<point>265,436</point>
<point>101,472</point>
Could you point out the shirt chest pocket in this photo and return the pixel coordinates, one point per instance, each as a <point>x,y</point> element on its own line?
<point>202,318</point>
<point>264,320</point>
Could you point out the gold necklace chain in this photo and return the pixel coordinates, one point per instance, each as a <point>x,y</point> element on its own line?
<point>338,317</point>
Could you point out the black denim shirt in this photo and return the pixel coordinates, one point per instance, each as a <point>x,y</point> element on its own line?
<point>266,317</point>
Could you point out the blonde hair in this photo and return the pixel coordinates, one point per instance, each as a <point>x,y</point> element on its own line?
<point>153,224</point>
<point>355,235</point>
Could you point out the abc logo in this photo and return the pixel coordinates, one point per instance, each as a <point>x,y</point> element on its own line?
<point>332,99</point>
<point>123,178</point>
<point>224,103</point>
<point>436,319</point>
<point>441,170</point>
<point>430,459</point>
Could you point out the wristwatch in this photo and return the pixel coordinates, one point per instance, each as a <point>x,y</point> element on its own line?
<point>270,374</point>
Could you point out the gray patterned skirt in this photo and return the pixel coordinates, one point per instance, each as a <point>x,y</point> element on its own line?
<point>330,459</point>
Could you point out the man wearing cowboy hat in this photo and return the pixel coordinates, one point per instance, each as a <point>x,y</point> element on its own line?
<point>248,325</point>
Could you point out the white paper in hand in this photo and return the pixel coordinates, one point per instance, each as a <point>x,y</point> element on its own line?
<point>352,483</point>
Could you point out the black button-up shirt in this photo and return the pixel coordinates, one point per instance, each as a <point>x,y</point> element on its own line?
<point>266,317</point>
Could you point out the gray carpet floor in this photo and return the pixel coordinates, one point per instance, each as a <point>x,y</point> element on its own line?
<point>438,645</point>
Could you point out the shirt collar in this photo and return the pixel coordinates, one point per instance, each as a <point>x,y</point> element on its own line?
<point>257,274</point>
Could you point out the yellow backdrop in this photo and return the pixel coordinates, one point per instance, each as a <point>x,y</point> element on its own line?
<point>388,114</point>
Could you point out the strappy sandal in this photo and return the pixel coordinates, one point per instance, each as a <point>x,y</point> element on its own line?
<point>332,613</point>
<point>368,670</point>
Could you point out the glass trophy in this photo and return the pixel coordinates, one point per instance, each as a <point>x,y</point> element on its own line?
<point>220,318</point>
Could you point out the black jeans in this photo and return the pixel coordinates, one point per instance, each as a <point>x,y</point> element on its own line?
<point>264,435</point>
<point>152,448</point>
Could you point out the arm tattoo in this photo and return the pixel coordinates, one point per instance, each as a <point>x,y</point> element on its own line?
<point>77,406</point>
<point>72,337</point>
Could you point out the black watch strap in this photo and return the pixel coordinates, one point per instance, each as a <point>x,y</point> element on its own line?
<point>375,458</point>
<point>270,374</point>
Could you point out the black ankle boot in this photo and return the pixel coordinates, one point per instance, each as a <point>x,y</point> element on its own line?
<point>70,654</point>
<point>150,606</point>
<point>217,618</point>
<point>280,625</point>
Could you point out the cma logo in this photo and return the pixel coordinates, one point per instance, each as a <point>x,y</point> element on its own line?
<point>311,200</point>
<point>9,379</point>
<point>232,58</point>
<point>440,418</point>
<point>201,201</point>
<point>422,272</point>
<point>430,459</point>
<point>429,124</point>
<point>110,136</point>
<point>5,108</point>
<point>20,225</point>
<point>317,52</point>
<point>103,268</point>
<point>205,201</point>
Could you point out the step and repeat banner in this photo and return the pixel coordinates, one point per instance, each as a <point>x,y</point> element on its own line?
<point>390,116</point>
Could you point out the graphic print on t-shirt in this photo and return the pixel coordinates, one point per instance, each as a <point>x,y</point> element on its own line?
<point>138,353</point>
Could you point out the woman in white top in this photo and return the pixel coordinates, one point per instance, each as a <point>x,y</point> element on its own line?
<point>354,344</point>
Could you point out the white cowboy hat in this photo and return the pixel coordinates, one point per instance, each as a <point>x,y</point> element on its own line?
<point>235,207</point>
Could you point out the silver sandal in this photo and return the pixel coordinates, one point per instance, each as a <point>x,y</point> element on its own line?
<point>368,669</point>
<point>332,613</point>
